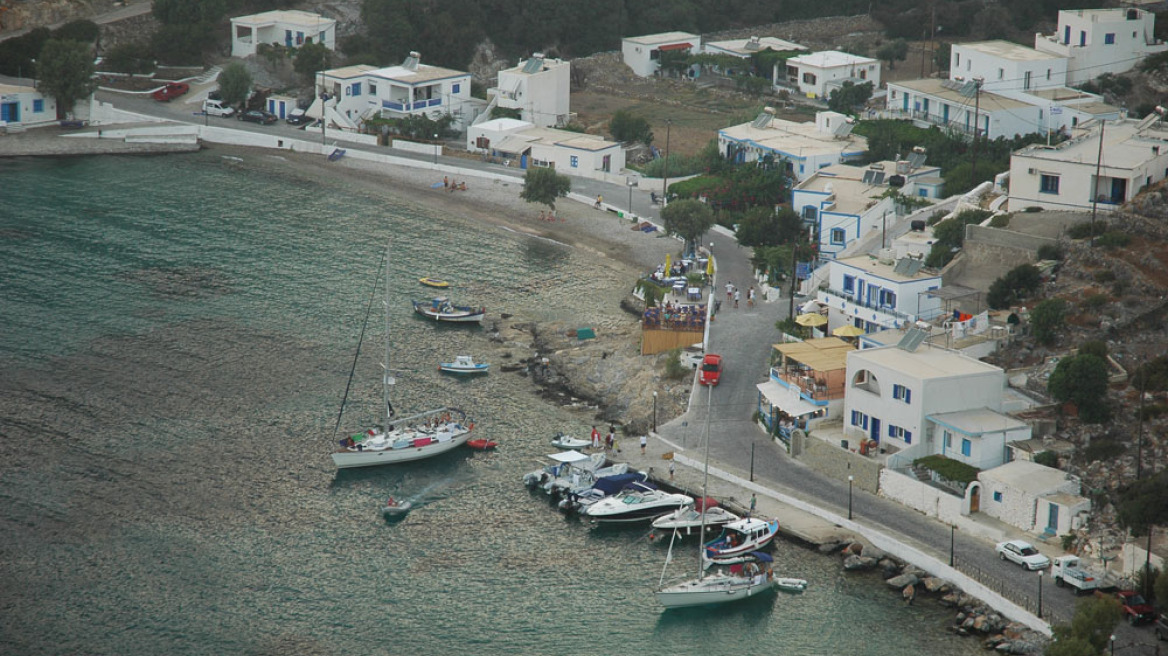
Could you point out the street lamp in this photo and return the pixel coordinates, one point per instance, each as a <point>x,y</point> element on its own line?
<point>952,538</point>
<point>654,412</point>
<point>1112,641</point>
<point>631,182</point>
<point>1039,594</point>
<point>437,147</point>
<point>850,479</point>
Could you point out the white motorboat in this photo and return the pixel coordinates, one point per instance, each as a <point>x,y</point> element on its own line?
<point>719,587</point>
<point>741,537</point>
<point>424,435</point>
<point>464,364</point>
<point>394,508</point>
<point>441,309</point>
<point>566,470</point>
<point>637,503</point>
<point>561,441</point>
<point>689,519</point>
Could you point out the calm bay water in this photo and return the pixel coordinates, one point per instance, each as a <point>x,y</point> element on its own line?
<point>175,335</point>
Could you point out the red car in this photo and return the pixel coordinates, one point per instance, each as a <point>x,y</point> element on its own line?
<point>1135,609</point>
<point>711,369</point>
<point>171,90</point>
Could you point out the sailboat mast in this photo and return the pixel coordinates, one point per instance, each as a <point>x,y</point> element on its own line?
<point>705,485</point>
<point>386,375</point>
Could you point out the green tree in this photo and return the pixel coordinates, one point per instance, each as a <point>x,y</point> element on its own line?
<point>182,43</point>
<point>544,185</point>
<point>1082,380</point>
<point>1090,629</point>
<point>65,69</point>
<point>1018,283</point>
<point>763,226</point>
<point>234,83</point>
<point>1144,503</point>
<point>1160,588</point>
<point>311,58</point>
<point>1046,319</point>
<point>85,31</point>
<point>893,51</point>
<point>942,56</point>
<point>129,57</point>
<point>628,127</point>
<point>688,219</point>
<point>849,96</point>
<point>675,62</point>
<point>180,12</point>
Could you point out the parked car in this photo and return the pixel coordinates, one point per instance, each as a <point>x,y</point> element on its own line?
<point>216,107</point>
<point>171,90</point>
<point>1162,627</point>
<point>711,369</point>
<point>258,116</point>
<point>1023,553</point>
<point>1135,609</point>
<point>297,117</point>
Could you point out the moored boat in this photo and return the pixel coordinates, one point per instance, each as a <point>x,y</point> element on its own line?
<point>434,282</point>
<point>482,444</point>
<point>395,508</point>
<point>689,519</point>
<point>741,537</point>
<point>636,503</point>
<point>441,309</point>
<point>464,364</point>
<point>791,584</point>
<point>562,441</point>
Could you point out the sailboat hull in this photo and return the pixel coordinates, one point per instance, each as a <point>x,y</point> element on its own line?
<point>714,590</point>
<point>346,459</point>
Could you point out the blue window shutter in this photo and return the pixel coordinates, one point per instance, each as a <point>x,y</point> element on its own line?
<point>907,395</point>
<point>908,437</point>
<point>891,430</point>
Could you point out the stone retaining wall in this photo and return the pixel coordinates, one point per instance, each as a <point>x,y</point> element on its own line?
<point>831,460</point>
<point>1002,248</point>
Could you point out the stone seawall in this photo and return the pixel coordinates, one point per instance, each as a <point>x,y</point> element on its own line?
<point>52,142</point>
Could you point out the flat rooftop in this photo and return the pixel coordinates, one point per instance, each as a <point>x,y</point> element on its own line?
<point>830,59</point>
<point>664,37</point>
<point>425,73</point>
<point>287,16</point>
<point>797,140</point>
<point>745,47</point>
<point>1026,475</point>
<point>1007,50</point>
<point>1125,146</point>
<point>875,267</point>
<point>978,422</point>
<point>926,362</point>
<point>989,102</point>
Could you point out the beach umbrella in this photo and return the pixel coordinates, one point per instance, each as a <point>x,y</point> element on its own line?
<point>810,319</point>
<point>848,331</point>
<point>668,263</point>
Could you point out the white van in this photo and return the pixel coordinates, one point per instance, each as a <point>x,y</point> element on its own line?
<point>217,108</point>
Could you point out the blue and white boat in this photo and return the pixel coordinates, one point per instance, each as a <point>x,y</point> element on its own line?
<point>464,364</point>
<point>441,309</point>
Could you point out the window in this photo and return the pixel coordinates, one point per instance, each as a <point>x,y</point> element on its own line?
<point>849,283</point>
<point>902,393</point>
<point>908,437</point>
<point>1001,73</point>
<point>863,74</point>
<point>1082,38</point>
<point>925,105</point>
<point>900,433</point>
<point>998,497</point>
<point>809,78</point>
<point>859,419</point>
<point>574,161</point>
<point>948,440</point>
<point>1049,184</point>
<point>887,298</point>
<point>956,59</point>
<point>1026,80</point>
<point>837,236</point>
<point>300,38</point>
<point>356,88</point>
<point>38,105</point>
<point>455,88</point>
<point>372,89</point>
<point>1048,74</point>
<point>1109,38</point>
<point>321,39</point>
<point>966,447</point>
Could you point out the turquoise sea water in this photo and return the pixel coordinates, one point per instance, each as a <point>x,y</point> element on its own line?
<point>175,336</point>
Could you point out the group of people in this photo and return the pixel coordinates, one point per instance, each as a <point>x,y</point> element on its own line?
<point>681,317</point>
<point>609,440</point>
<point>549,215</point>
<point>451,185</point>
<point>735,294</point>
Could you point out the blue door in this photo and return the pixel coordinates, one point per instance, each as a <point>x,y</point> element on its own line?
<point>1052,519</point>
<point>945,113</point>
<point>906,102</point>
<point>10,112</point>
<point>288,38</point>
<point>1067,35</point>
<point>874,433</point>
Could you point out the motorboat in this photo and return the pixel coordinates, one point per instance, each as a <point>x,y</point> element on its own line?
<point>482,444</point>
<point>423,435</point>
<point>562,441</point>
<point>636,503</point>
<point>564,465</point>
<point>576,500</point>
<point>464,364</point>
<point>441,309</point>
<point>581,479</point>
<point>434,282</point>
<point>688,520</point>
<point>394,508</point>
<point>741,537</point>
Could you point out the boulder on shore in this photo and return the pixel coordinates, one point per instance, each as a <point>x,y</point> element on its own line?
<point>855,563</point>
<point>903,580</point>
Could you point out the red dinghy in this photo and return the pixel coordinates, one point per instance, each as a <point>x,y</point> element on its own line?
<point>481,444</point>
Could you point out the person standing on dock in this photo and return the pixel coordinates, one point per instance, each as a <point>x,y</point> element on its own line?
<point>644,443</point>
<point>595,438</point>
<point>672,466</point>
<point>753,503</point>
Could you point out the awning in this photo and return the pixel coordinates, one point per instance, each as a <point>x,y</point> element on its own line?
<point>786,400</point>
<point>675,46</point>
<point>513,145</point>
<point>568,456</point>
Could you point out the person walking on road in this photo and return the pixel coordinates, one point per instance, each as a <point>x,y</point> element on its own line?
<point>750,298</point>
<point>595,438</point>
<point>672,466</point>
<point>737,296</point>
<point>729,291</point>
<point>644,443</point>
<point>753,503</point>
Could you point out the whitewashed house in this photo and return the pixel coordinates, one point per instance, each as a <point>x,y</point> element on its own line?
<point>1098,41</point>
<point>875,293</point>
<point>800,148</point>
<point>815,75</point>
<point>25,107</point>
<point>357,93</point>
<point>846,202</point>
<point>1063,176</point>
<point>744,48</point>
<point>643,53</point>
<point>288,27</point>
<point>977,437</point>
<point>952,105</point>
<point>1006,66</point>
<point>893,391</point>
<point>1032,497</point>
<point>527,145</point>
<point>539,87</point>
<point>805,385</point>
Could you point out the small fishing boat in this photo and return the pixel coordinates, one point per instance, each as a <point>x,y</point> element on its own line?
<point>464,364</point>
<point>791,585</point>
<point>395,508</point>
<point>741,537</point>
<point>481,444</point>
<point>562,441</point>
<point>434,282</point>
<point>441,309</point>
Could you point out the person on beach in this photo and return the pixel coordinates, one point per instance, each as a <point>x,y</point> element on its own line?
<point>644,443</point>
<point>541,216</point>
<point>595,437</point>
<point>446,181</point>
<point>608,442</point>
<point>737,296</point>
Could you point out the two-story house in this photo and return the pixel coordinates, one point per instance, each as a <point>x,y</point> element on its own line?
<point>539,87</point>
<point>1098,41</point>
<point>875,293</point>
<point>288,27</point>
<point>643,53</point>
<point>805,386</point>
<point>1078,174</point>
<point>357,93</point>
<point>800,148</point>
<point>816,74</point>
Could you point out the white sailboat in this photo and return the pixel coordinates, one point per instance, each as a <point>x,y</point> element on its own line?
<point>718,587</point>
<point>424,435</point>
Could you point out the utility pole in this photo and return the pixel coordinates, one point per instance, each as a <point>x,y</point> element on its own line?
<point>1140,433</point>
<point>1095,185</point>
<point>976,129</point>
<point>665,173</point>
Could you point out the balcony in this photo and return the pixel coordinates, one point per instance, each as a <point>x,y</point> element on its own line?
<point>809,386</point>
<point>407,107</point>
<point>891,312</point>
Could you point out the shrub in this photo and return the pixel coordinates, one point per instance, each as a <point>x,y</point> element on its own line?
<point>674,370</point>
<point>1113,239</point>
<point>1119,287</point>
<point>628,127</point>
<point>1018,283</point>
<point>1050,252</point>
<point>1033,208</point>
<point>952,470</point>
<point>1096,347</point>
<point>1086,230</point>
<point>1095,301</point>
<point>1000,221</point>
<point>1106,275</point>
<point>1152,411</point>
<point>1047,458</point>
<point>1082,380</point>
<point>935,217</point>
<point>1046,319</point>
<point>1152,376</point>
<point>1103,449</point>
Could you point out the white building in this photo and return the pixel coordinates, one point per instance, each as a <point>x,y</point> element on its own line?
<point>287,27</point>
<point>976,437</point>
<point>1098,41</point>
<point>643,53</point>
<point>570,153</point>
<point>1032,497</point>
<point>24,107</point>
<point>539,88</point>
<point>1063,176</point>
<point>816,74</point>
<point>878,293</point>
<point>801,148</point>
<point>847,202</point>
<point>357,93</point>
<point>953,105</point>
<point>892,392</point>
<point>1005,66</point>
<point>744,48</point>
